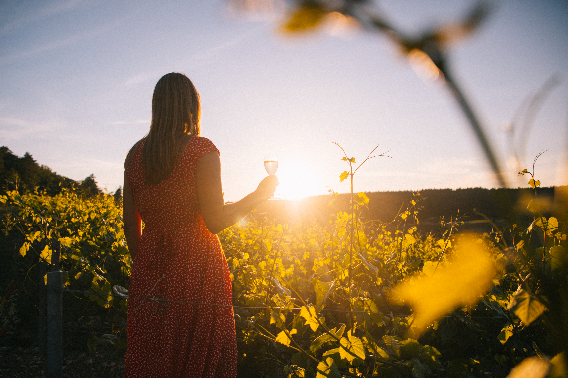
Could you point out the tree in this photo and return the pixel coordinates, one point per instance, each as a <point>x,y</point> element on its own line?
<point>118,195</point>
<point>89,186</point>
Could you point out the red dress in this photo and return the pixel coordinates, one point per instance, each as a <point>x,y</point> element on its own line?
<point>180,314</point>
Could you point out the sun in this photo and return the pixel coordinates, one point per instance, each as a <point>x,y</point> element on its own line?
<point>297,180</point>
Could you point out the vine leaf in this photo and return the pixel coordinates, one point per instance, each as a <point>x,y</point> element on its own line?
<point>343,176</point>
<point>351,348</point>
<point>333,335</point>
<point>278,319</point>
<point>506,332</point>
<point>534,183</point>
<point>283,338</point>
<point>328,369</point>
<point>24,249</point>
<point>559,257</point>
<point>310,316</point>
<point>527,307</point>
<point>458,283</point>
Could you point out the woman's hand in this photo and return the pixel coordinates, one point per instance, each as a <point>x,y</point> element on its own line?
<point>267,187</point>
<point>216,214</point>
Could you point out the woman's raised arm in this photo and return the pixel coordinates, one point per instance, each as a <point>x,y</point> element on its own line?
<point>216,214</point>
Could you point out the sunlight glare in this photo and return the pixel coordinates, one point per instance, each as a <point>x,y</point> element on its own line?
<point>297,180</point>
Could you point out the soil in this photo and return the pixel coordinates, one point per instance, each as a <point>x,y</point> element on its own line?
<point>19,362</point>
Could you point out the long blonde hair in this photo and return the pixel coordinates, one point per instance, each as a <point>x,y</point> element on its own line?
<point>176,110</point>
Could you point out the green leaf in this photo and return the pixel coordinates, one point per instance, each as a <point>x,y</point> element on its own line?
<point>371,344</point>
<point>321,340</point>
<point>559,257</point>
<point>527,307</point>
<point>343,176</point>
<point>328,369</point>
<point>92,344</point>
<point>409,349</point>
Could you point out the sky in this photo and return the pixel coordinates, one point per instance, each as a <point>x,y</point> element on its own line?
<point>76,83</point>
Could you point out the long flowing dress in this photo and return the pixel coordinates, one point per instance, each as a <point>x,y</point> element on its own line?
<point>180,315</point>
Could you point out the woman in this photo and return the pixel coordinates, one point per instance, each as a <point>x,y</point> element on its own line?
<point>180,315</point>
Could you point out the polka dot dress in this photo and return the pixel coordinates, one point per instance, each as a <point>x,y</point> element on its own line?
<point>178,261</point>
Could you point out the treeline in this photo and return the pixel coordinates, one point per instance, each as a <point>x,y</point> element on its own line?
<point>25,175</point>
<point>433,205</point>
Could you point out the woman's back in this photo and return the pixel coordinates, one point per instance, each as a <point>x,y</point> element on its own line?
<point>179,269</point>
<point>174,200</point>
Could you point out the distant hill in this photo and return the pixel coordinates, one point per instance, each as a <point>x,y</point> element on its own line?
<point>505,206</point>
<point>26,175</point>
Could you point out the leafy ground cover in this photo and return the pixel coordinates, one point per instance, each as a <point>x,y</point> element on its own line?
<point>329,295</point>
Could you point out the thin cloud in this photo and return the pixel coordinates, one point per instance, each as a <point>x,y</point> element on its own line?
<point>56,44</point>
<point>40,13</point>
<point>203,57</point>
<point>12,128</point>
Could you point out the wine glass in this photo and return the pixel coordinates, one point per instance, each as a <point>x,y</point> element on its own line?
<point>270,164</point>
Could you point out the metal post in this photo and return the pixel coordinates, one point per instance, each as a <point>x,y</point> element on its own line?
<point>42,304</point>
<point>54,325</point>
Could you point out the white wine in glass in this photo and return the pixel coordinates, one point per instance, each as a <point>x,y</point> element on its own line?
<point>270,164</point>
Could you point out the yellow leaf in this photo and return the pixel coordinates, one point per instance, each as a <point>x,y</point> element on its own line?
<point>66,241</point>
<point>310,316</point>
<point>283,338</point>
<point>24,249</point>
<point>363,199</point>
<point>277,318</point>
<point>506,332</point>
<point>343,176</point>
<point>458,283</point>
<point>46,254</point>
<point>328,369</point>
<point>351,348</point>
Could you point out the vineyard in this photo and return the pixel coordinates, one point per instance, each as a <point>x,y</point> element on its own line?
<point>332,295</point>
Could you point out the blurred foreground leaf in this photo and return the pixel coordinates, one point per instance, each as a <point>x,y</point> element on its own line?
<point>532,367</point>
<point>458,283</point>
<point>304,18</point>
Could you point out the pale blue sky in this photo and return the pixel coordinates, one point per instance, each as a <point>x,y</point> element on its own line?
<point>76,82</point>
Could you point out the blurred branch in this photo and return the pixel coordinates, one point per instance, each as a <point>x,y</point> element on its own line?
<point>431,44</point>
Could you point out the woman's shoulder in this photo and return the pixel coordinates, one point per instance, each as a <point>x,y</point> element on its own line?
<point>202,145</point>
<point>132,151</point>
